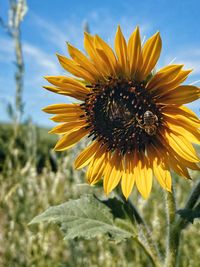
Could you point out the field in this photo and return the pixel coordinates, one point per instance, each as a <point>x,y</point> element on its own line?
<point>33,177</point>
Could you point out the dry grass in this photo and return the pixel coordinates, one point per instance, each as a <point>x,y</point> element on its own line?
<point>31,181</point>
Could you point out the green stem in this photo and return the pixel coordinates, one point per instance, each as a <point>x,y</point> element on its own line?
<point>145,238</point>
<point>146,250</point>
<point>173,235</point>
<point>148,243</point>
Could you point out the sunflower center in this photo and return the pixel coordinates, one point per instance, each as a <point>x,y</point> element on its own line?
<point>122,114</point>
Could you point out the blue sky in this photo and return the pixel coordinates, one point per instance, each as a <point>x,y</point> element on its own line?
<point>49,24</point>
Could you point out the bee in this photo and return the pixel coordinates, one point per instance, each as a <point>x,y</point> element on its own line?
<point>148,123</point>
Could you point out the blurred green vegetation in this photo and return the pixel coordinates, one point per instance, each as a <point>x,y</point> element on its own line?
<point>33,177</point>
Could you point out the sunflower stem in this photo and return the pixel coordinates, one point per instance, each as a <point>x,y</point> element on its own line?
<point>145,238</point>
<point>147,252</point>
<point>150,245</point>
<point>173,231</point>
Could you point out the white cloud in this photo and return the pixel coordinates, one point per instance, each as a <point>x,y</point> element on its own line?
<point>71,30</point>
<point>32,54</point>
<point>58,36</point>
<point>192,63</point>
<point>35,56</point>
<point>6,50</point>
<point>188,56</point>
<point>50,31</point>
<point>37,62</point>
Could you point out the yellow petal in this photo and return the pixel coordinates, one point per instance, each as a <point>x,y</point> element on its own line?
<point>175,162</point>
<point>121,50</point>
<point>108,53</point>
<point>183,111</point>
<point>189,113</point>
<point>83,61</point>
<point>181,95</point>
<point>90,46</point>
<point>150,54</point>
<point>97,166</point>
<point>94,174</point>
<point>67,83</point>
<point>128,178</point>
<point>177,128</point>
<point>164,76</point>
<point>180,78</point>
<point>68,117</point>
<point>143,176</point>
<point>52,89</point>
<point>179,168</point>
<point>188,164</point>
<point>76,95</point>
<point>163,150</point>
<point>62,108</point>
<point>69,126</point>
<point>180,119</point>
<point>163,175</point>
<point>106,68</point>
<point>134,51</point>
<point>86,155</point>
<point>68,92</point>
<point>181,146</point>
<point>70,139</point>
<point>75,69</point>
<point>113,172</point>
<point>160,168</point>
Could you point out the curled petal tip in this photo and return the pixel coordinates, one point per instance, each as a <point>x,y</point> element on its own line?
<point>69,45</point>
<point>137,29</point>
<point>118,28</point>
<point>86,34</point>
<point>47,77</point>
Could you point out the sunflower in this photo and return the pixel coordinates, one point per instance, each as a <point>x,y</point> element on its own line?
<point>135,119</point>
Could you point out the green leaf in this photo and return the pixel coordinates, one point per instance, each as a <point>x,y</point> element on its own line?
<point>189,215</point>
<point>89,217</point>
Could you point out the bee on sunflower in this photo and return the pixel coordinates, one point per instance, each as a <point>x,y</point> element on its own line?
<point>135,120</point>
